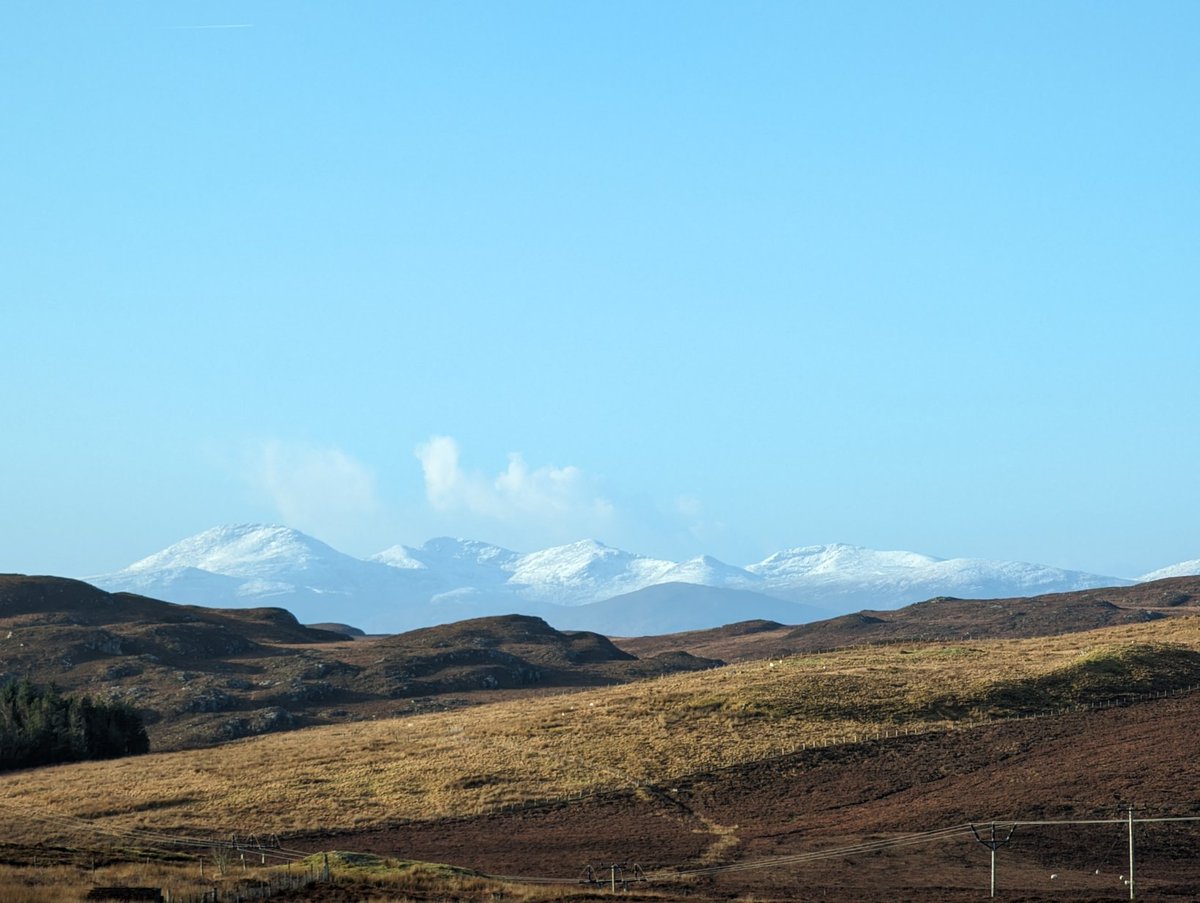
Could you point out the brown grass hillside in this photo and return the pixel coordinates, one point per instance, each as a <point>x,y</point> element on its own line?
<point>941,619</point>
<point>643,736</point>
<point>200,676</point>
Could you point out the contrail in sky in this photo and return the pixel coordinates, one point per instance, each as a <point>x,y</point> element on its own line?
<point>192,27</point>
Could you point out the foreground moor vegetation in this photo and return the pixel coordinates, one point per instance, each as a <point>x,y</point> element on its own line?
<point>793,768</point>
<point>576,743</point>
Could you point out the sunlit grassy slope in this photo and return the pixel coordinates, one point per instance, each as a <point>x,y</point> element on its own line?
<point>546,748</point>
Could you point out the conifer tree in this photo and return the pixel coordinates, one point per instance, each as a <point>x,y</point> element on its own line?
<point>38,726</point>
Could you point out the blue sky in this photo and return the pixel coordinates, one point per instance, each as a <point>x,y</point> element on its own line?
<point>683,277</point>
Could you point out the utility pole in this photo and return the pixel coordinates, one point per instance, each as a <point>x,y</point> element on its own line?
<point>1132,882</point>
<point>993,843</point>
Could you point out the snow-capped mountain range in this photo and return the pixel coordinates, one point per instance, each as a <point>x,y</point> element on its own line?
<point>1183,569</point>
<point>447,579</point>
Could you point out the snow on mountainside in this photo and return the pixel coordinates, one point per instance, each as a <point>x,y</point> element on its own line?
<point>574,574</point>
<point>184,585</point>
<point>249,565</point>
<point>836,560</point>
<point>583,572</point>
<point>1183,569</point>
<point>869,578</point>
<point>708,571</point>
<point>250,550</point>
<point>460,561</point>
<point>445,579</point>
<point>403,557</point>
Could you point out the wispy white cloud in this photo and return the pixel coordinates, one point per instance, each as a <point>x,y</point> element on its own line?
<point>549,494</point>
<point>315,488</point>
<point>690,510</point>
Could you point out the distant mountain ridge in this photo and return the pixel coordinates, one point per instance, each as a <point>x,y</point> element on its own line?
<point>1182,569</point>
<point>446,579</point>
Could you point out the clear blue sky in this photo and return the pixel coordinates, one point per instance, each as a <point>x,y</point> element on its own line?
<point>724,277</point>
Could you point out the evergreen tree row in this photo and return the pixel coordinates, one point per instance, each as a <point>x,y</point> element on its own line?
<point>38,726</point>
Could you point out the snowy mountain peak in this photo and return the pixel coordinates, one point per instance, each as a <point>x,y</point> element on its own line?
<point>242,550</point>
<point>447,579</point>
<point>443,551</point>
<point>837,558</point>
<point>1182,569</point>
<point>582,547</point>
<point>572,558</point>
<point>467,550</point>
<point>709,571</point>
<point>575,573</point>
<point>399,556</point>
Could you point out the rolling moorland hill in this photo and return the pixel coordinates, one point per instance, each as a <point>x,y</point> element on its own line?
<point>854,772</point>
<point>940,619</point>
<point>200,675</point>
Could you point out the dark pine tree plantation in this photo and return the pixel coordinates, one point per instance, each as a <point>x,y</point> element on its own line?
<point>38,726</point>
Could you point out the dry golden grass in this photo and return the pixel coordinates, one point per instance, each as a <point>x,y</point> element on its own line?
<point>366,877</point>
<point>58,883</point>
<point>552,747</point>
<point>400,879</point>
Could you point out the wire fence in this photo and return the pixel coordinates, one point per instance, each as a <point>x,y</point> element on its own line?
<point>251,889</point>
